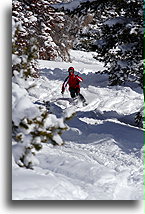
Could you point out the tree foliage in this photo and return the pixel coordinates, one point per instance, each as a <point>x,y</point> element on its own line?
<point>116,34</point>
<point>120,43</point>
<point>45,24</point>
<point>32,125</point>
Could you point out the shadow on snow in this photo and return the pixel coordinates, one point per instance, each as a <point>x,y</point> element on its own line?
<point>121,130</point>
<point>128,138</point>
<point>93,79</point>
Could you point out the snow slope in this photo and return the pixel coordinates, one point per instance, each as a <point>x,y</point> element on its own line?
<point>102,158</point>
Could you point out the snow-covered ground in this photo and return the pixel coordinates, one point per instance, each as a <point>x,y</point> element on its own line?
<point>102,158</point>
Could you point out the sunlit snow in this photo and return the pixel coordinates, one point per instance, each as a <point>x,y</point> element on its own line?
<point>102,158</point>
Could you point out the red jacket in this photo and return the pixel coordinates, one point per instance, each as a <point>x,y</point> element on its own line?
<point>73,82</point>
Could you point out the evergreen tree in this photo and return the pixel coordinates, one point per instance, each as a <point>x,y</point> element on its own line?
<point>116,35</point>
<point>29,131</point>
<point>120,43</point>
<point>24,43</point>
<point>45,24</point>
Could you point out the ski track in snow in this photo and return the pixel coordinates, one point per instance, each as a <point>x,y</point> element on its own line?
<point>102,158</point>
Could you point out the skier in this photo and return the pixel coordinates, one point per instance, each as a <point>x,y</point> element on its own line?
<point>73,81</point>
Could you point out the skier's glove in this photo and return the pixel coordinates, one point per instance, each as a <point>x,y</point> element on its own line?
<point>62,92</point>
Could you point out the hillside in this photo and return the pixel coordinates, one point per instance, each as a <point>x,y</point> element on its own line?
<point>102,155</point>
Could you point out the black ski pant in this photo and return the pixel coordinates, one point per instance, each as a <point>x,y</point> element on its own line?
<point>76,92</point>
